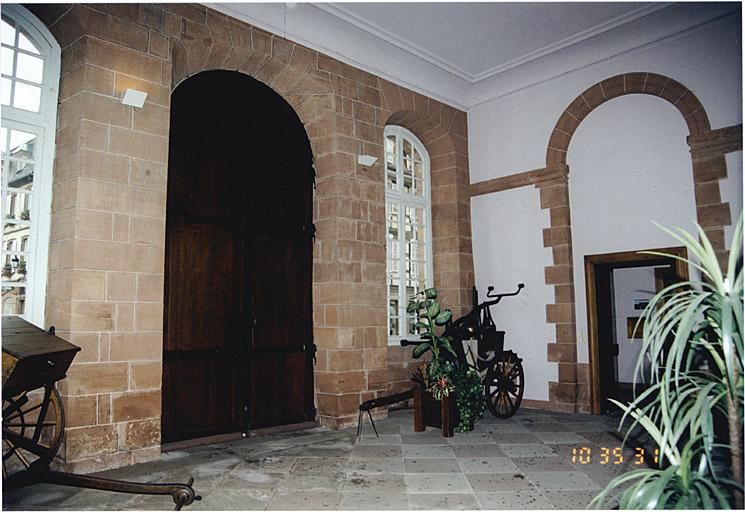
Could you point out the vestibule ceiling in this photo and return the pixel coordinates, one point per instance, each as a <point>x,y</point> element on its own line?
<point>465,53</point>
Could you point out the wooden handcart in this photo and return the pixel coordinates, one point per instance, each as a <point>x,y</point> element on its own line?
<point>34,417</point>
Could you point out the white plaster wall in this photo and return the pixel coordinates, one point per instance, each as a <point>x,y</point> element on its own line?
<point>506,257</point>
<point>629,284</point>
<point>510,134</point>
<point>629,167</point>
<point>613,199</point>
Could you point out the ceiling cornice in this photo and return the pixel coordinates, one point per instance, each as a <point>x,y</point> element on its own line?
<point>343,13</point>
<point>332,30</point>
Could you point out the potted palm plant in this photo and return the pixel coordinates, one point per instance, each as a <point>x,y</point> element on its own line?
<point>693,407</point>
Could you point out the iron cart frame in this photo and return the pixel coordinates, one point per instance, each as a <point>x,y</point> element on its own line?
<point>501,370</point>
<point>33,362</point>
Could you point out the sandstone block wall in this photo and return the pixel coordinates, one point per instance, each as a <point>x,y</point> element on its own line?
<point>108,215</point>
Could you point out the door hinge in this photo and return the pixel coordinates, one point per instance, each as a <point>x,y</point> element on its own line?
<point>311,228</point>
<point>311,349</point>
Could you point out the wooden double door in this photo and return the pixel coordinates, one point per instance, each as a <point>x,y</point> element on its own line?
<point>238,348</point>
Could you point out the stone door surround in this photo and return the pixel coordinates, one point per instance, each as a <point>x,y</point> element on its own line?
<point>708,148</point>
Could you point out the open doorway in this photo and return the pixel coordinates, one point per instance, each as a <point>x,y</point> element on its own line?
<point>619,286</point>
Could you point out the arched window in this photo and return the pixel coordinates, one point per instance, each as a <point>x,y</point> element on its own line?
<point>409,230</point>
<point>30,68</point>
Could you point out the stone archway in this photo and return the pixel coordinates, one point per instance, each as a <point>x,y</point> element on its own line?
<point>708,147</point>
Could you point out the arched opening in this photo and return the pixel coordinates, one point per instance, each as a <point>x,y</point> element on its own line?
<point>238,346</point>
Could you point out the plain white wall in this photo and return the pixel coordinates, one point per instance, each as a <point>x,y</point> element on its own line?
<point>629,284</point>
<point>629,165</point>
<point>506,257</point>
<point>510,134</point>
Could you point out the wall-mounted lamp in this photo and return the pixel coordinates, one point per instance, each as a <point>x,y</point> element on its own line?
<point>134,98</point>
<point>366,160</point>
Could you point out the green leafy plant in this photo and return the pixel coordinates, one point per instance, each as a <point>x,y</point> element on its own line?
<point>429,317</point>
<point>7,270</point>
<point>440,376</point>
<point>693,406</point>
<point>469,394</point>
<point>441,387</point>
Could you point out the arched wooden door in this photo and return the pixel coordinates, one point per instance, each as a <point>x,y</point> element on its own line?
<point>238,348</point>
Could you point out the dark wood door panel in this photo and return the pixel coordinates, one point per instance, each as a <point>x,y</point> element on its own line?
<point>281,293</point>
<point>238,248</point>
<point>279,389</point>
<point>203,301</point>
<point>198,397</point>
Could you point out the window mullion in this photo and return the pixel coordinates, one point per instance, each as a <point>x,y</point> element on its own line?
<point>402,300</point>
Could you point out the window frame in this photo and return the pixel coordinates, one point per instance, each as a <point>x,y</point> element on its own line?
<point>44,124</point>
<point>404,199</point>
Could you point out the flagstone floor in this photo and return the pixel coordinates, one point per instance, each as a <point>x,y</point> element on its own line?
<point>534,460</point>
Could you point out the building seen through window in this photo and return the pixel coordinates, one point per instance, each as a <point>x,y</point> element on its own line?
<point>29,66</point>
<point>408,214</point>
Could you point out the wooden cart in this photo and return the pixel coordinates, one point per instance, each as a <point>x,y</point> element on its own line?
<point>34,417</point>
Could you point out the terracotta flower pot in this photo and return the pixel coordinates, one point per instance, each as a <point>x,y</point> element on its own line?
<point>428,412</point>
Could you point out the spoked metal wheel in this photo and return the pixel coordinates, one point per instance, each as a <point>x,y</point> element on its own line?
<point>504,385</point>
<point>33,426</point>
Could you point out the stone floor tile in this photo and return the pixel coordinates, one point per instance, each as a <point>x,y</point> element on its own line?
<point>561,438</point>
<point>431,466</point>
<point>570,500</point>
<point>585,426</point>
<point>389,439</point>
<point>366,465</point>
<point>552,463</point>
<point>376,483</point>
<point>515,500</point>
<point>471,438</point>
<point>273,464</point>
<point>562,481</point>
<point>436,483</point>
<point>318,465</point>
<point>306,500</point>
<point>443,502</point>
<point>515,438</point>
<point>373,501</point>
<point>486,465</point>
<point>527,450</point>
<point>498,482</point>
<point>545,427</point>
<point>428,437</point>
<point>428,451</point>
<point>501,427</point>
<point>320,482</point>
<point>379,450</point>
<point>476,450</point>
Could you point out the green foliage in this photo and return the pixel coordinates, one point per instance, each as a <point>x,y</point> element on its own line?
<point>693,340</point>
<point>425,305</point>
<point>469,395</point>
<point>441,376</point>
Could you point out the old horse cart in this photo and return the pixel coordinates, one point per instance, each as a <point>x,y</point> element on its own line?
<point>34,418</point>
<point>478,344</point>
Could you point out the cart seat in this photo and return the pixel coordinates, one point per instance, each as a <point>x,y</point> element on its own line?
<point>491,340</point>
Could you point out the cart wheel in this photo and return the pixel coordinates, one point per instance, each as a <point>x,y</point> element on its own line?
<point>504,385</point>
<point>33,426</point>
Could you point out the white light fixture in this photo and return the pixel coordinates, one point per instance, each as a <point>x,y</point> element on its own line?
<point>366,160</point>
<point>134,98</point>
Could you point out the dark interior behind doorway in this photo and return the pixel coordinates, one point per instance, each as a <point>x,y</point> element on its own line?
<point>238,272</point>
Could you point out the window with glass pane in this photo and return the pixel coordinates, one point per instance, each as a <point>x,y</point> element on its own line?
<point>408,250</point>
<point>22,68</point>
<point>29,69</point>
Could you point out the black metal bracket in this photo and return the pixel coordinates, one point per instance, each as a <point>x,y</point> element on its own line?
<point>369,405</point>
